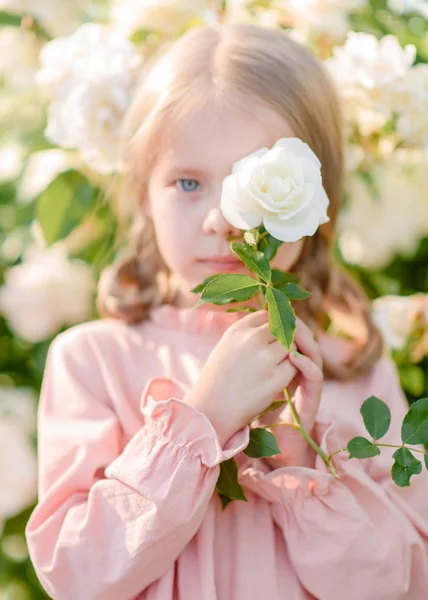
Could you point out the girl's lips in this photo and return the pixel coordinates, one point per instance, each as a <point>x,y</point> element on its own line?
<point>222,264</point>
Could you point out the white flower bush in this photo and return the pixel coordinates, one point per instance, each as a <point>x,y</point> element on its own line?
<point>396,317</point>
<point>409,6</point>
<point>46,292</point>
<point>90,77</point>
<point>19,57</point>
<point>369,73</point>
<point>320,17</point>
<point>18,462</point>
<point>160,15</point>
<point>411,100</point>
<point>387,219</point>
<point>60,17</point>
<point>281,188</point>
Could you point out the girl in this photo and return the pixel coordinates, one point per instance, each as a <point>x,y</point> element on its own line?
<point>139,409</point>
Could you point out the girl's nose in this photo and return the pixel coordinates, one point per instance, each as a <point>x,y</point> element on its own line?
<point>216,223</point>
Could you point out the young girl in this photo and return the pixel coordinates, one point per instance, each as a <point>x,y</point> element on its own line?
<point>139,409</point>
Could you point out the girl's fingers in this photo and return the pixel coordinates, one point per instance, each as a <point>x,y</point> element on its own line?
<point>307,344</point>
<point>266,334</point>
<point>310,371</point>
<point>278,352</point>
<point>308,394</point>
<point>254,319</point>
<point>284,374</point>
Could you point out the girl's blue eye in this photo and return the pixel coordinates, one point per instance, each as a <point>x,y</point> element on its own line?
<point>188,185</point>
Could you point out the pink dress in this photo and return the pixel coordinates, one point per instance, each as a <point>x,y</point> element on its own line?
<point>127,508</point>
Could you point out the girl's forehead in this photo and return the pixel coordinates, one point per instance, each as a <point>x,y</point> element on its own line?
<point>221,135</point>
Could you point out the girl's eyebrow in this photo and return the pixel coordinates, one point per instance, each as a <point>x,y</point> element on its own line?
<point>180,169</point>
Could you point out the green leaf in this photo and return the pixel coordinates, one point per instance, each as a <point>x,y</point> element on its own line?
<point>376,417</point>
<point>282,320</point>
<point>200,288</point>
<point>282,277</point>
<point>254,260</point>
<point>294,291</point>
<point>360,447</point>
<point>64,204</point>
<point>404,467</point>
<point>274,406</point>
<point>140,36</point>
<point>229,288</point>
<point>10,19</point>
<point>262,443</point>
<point>414,429</point>
<point>412,379</point>
<point>224,500</point>
<point>269,246</point>
<point>227,482</point>
<point>426,459</point>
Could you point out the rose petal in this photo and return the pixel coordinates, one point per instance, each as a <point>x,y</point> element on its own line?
<point>299,148</point>
<point>238,207</point>
<point>304,223</point>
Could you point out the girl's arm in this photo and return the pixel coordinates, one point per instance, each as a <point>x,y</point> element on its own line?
<point>111,522</point>
<point>360,536</point>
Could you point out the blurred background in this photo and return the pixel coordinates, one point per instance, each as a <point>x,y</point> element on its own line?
<point>68,69</point>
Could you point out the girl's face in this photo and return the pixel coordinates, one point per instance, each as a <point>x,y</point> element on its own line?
<point>185,188</point>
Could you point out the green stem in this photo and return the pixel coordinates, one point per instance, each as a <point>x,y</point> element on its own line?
<point>283,424</point>
<point>402,446</point>
<point>383,445</point>
<point>299,427</point>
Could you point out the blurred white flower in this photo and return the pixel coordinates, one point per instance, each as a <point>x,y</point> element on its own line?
<point>388,219</point>
<point>90,77</point>
<point>280,187</point>
<point>45,292</point>
<point>393,315</point>
<point>322,17</point>
<point>40,169</point>
<point>161,15</point>
<point>411,100</point>
<point>409,6</point>
<point>368,73</point>
<point>244,11</point>
<point>60,17</point>
<point>19,57</point>
<point>18,463</point>
<point>11,160</point>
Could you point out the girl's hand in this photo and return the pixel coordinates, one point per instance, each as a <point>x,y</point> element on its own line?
<point>305,392</point>
<point>243,375</point>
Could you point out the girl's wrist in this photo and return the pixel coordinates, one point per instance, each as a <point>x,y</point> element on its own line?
<point>224,430</point>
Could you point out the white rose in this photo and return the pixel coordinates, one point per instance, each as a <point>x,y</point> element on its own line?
<point>90,77</point>
<point>45,293</point>
<point>281,188</point>
<point>18,462</point>
<point>393,315</point>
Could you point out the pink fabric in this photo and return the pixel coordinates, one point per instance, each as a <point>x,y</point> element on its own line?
<point>127,474</point>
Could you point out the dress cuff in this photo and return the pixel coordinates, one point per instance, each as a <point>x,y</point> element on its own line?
<point>166,412</point>
<point>294,483</point>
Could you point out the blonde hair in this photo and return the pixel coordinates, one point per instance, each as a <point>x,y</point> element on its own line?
<point>230,64</point>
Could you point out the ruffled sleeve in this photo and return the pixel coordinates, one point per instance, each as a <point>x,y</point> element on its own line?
<point>358,536</point>
<point>112,520</point>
